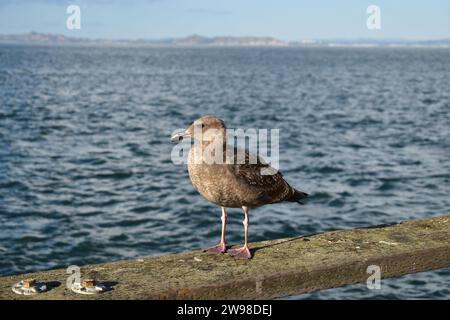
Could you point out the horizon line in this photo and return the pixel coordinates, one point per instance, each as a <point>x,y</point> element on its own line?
<point>165,38</point>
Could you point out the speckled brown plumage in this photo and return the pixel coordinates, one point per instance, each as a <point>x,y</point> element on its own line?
<point>233,184</point>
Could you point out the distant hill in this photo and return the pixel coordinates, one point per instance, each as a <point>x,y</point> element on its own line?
<point>220,41</point>
<point>35,37</point>
<point>196,40</point>
<point>193,40</point>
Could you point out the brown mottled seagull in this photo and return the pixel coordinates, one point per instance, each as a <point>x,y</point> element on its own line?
<point>232,184</point>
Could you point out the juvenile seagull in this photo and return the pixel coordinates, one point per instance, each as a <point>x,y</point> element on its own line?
<point>231,183</point>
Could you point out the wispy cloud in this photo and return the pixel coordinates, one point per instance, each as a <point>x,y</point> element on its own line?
<point>4,3</point>
<point>59,2</point>
<point>210,11</point>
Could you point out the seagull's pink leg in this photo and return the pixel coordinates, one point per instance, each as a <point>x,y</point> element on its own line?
<point>222,246</point>
<point>244,252</point>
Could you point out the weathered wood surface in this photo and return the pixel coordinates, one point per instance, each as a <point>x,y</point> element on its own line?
<point>279,267</point>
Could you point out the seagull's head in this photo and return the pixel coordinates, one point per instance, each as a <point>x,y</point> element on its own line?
<point>207,128</point>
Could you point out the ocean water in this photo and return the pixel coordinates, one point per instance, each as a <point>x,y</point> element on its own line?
<point>85,168</point>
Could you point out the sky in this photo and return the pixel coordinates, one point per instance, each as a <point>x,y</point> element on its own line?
<point>284,19</point>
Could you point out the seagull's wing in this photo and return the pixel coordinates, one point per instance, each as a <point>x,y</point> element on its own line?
<point>249,172</point>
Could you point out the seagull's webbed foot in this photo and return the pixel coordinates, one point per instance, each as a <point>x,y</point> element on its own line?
<point>240,253</point>
<point>220,248</point>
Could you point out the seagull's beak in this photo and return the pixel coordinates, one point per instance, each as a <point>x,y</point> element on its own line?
<point>179,136</point>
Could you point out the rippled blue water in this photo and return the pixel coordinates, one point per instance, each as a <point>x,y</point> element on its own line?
<point>85,169</point>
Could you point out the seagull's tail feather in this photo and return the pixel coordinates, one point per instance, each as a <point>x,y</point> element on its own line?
<point>297,196</point>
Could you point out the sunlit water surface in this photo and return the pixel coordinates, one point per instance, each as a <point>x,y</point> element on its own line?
<point>85,168</point>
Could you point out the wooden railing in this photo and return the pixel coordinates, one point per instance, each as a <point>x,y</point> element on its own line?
<point>279,267</point>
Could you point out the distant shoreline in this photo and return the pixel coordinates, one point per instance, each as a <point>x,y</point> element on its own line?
<point>196,41</point>
<point>161,46</point>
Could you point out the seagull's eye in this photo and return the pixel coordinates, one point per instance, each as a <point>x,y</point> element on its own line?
<point>203,125</point>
